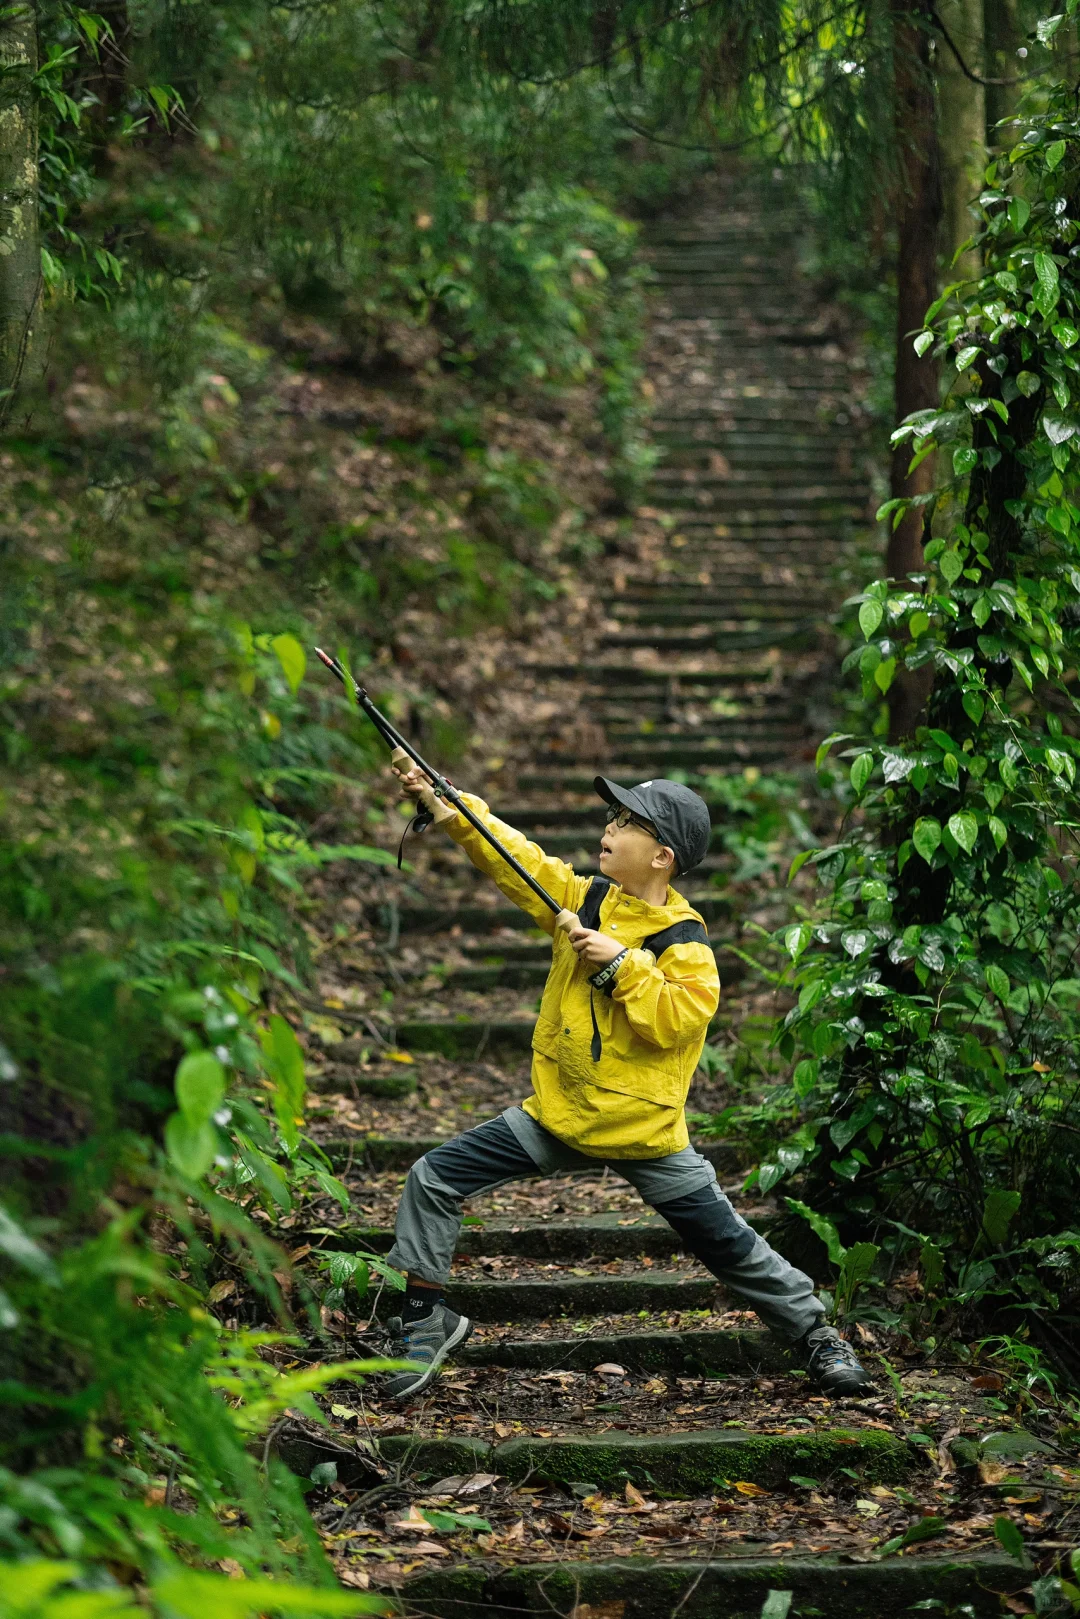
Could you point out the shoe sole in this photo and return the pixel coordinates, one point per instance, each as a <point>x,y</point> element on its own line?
<point>461,1332</point>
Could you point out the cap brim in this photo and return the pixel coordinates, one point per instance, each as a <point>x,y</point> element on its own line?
<point>612,793</point>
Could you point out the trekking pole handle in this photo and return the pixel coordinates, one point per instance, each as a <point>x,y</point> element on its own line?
<point>443,788</point>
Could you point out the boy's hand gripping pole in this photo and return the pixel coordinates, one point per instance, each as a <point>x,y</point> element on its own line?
<point>443,789</point>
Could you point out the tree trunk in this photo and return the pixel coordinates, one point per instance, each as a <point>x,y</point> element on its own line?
<point>1002,32</point>
<point>962,104</point>
<point>20,258</point>
<point>918,220</point>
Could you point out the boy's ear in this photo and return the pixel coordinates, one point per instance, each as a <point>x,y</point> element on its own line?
<point>662,863</point>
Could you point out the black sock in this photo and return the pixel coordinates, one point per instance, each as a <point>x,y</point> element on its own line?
<point>420,1301</point>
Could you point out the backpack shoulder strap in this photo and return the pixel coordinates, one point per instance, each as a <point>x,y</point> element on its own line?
<point>689,932</point>
<point>589,909</point>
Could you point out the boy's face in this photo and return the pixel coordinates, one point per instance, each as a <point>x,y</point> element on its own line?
<point>631,856</point>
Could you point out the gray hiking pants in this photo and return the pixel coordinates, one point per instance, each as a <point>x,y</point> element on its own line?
<point>681,1187</point>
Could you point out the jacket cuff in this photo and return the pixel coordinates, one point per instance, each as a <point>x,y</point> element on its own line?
<point>605,978</point>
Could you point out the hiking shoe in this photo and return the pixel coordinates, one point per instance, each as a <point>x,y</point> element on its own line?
<point>427,1341</point>
<point>833,1365</point>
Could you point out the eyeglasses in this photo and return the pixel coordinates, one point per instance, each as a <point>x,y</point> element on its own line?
<point>618,815</point>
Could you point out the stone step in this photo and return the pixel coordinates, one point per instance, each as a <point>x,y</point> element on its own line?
<point>534,818</point>
<point>532,975</point>
<point>645,762</point>
<point>466,1037</point>
<point>608,673</point>
<point>469,1037</point>
<point>731,1586</point>
<point>689,1465</point>
<point>571,779</point>
<point>689,1354</point>
<point>576,1296</point>
<point>718,731</point>
<point>477,919</point>
<point>780,605</point>
<point>596,1236</point>
<point>377,1154</point>
<point>685,595</point>
<point>720,640</point>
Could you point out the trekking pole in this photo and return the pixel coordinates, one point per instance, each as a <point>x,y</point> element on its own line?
<point>443,788</point>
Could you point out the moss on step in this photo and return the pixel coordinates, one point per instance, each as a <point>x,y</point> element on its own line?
<point>344,1076</point>
<point>466,1037</point>
<point>680,1464</point>
<point>695,1464</point>
<point>600,1236</point>
<point>435,1458</point>
<point>731,1587</point>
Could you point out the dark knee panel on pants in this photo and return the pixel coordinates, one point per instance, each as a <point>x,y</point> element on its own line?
<point>709,1228</point>
<point>483,1157</point>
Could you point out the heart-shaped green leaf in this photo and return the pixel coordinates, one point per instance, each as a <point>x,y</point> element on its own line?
<point>926,837</point>
<point>871,614</point>
<point>965,829</point>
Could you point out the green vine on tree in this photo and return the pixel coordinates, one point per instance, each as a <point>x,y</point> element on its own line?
<point>935,1092</point>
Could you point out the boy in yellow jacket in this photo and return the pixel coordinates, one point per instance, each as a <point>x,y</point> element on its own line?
<point>632,987</point>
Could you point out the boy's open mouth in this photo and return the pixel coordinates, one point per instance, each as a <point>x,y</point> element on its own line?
<point>605,846</point>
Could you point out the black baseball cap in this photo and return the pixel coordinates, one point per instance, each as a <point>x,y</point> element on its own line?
<point>680,815</point>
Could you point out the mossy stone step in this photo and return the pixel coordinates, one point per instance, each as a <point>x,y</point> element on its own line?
<point>575,1296</point>
<point>785,605</point>
<point>777,633</point>
<point>343,1072</point>
<point>602,675</point>
<point>429,919</point>
<point>732,1587</point>
<point>712,752</point>
<point>571,779</point>
<point>689,1354</point>
<point>597,1236</point>
<point>674,1464</point>
<point>377,1153</point>
<point>510,975</point>
<point>466,1037</point>
<point>530,975</point>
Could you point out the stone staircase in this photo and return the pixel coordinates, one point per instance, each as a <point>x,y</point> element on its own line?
<point>636,1448</point>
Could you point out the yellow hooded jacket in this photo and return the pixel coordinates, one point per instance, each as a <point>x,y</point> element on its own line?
<point>629,1102</point>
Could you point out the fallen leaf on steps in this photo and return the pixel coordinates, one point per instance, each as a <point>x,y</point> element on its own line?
<point>430,1549</point>
<point>608,1368</point>
<point>412,1523</point>
<point>744,1487</point>
<point>502,1429</point>
<point>637,1501</point>
<point>354,1577</point>
<point>464,1484</point>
